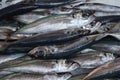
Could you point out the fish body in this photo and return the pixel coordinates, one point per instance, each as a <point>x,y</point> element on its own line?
<point>20,76</point>
<point>6,58</point>
<point>109,70</point>
<point>54,23</point>
<point>98,7</point>
<point>43,67</point>
<point>50,52</point>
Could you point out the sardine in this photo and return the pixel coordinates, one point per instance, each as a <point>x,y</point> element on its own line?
<point>47,3</point>
<point>56,37</point>
<point>43,67</point>
<point>6,3</point>
<point>115,49</point>
<point>30,17</point>
<point>15,9</point>
<point>109,70</point>
<point>6,58</point>
<point>107,19</point>
<point>93,59</point>
<point>50,52</point>
<point>98,7</point>
<point>56,22</point>
<point>20,76</point>
<point>14,61</point>
<point>100,14</point>
<point>75,66</point>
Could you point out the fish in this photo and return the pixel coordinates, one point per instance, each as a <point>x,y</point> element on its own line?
<point>10,62</point>
<point>27,6</point>
<point>56,22</point>
<point>98,7</point>
<point>22,76</point>
<point>107,19</point>
<point>48,3</point>
<point>54,52</point>
<point>92,59</point>
<point>106,28</point>
<point>107,71</point>
<point>15,9</point>
<point>110,48</point>
<point>57,37</point>
<point>6,3</point>
<point>75,66</point>
<point>43,67</point>
<point>6,58</point>
<point>100,14</point>
<point>30,17</point>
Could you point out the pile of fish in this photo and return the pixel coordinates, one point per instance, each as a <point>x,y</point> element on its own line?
<point>59,40</point>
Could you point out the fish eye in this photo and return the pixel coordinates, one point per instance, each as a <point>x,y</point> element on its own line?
<point>39,53</point>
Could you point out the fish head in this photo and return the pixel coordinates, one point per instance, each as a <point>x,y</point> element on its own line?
<point>42,51</point>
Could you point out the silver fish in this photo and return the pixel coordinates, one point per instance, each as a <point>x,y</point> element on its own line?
<point>107,48</point>
<point>98,7</point>
<point>43,67</point>
<point>12,61</point>
<point>93,59</point>
<point>30,17</point>
<point>5,3</point>
<point>109,70</point>
<point>98,14</point>
<point>6,58</point>
<point>55,23</point>
<point>21,76</point>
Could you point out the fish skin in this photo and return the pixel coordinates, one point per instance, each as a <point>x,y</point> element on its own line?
<point>93,59</point>
<point>6,58</point>
<point>22,76</point>
<point>57,37</point>
<point>98,7</point>
<point>108,70</point>
<point>56,22</point>
<point>74,66</point>
<point>53,52</point>
<point>14,62</point>
<point>98,14</point>
<point>15,9</point>
<point>41,67</point>
<point>115,49</point>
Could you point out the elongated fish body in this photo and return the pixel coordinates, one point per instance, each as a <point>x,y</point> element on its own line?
<point>18,50</point>
<point>20,76</point>
<point>75,66</point>
<point>30,17</point>
<point>106,28</point>
<point>4,73</point>
<point>109,70</point>
<point>50,52</point>
<point>15,9</point>
<point>6,58</point>
<point>54,23</point>
<point>56,37</point>
<point>14,62</point>
<point>107,48</point>
<point>6,3</point>
<point>93,59</point>
<point>48,3</point>
<point>44,67</point>
<point>100,14</point>
<point>107,19</point>
<point>98,7</point>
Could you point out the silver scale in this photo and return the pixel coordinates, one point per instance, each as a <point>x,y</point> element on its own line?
<point>5,3</point>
